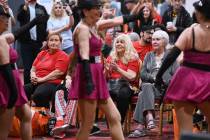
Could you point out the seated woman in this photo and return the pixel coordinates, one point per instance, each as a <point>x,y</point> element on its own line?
<point>48,70</point>
<point>144,111</point>
<point>122,70</point>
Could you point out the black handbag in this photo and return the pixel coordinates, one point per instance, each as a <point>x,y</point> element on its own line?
<point>114,85</point>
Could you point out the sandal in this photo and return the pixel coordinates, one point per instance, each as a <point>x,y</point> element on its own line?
<point>150,125</point>
<point>137,133</point>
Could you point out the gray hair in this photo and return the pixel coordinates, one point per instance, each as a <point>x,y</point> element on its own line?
<point>134,36</point>
<point>161,34</point>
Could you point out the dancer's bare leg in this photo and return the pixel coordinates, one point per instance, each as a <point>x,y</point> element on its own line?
<point>6,117</point>
<point>204,107</point>
<point>87,110</point>
<point>184,111</point>
<point>114,119</point>
<point>24,115</point>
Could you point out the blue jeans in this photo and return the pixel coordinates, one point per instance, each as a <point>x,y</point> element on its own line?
<point>68,50</point>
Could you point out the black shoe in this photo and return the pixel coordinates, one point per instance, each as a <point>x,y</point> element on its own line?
<point>95,130</point>
<point>197,118</point>
<point>50,125</point>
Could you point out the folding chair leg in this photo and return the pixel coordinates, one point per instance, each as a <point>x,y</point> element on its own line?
<point>161,119</point>
<point>126,125</point>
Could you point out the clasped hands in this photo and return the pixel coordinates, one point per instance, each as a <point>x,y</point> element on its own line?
<point>35,80</point>
<point>113,66</point>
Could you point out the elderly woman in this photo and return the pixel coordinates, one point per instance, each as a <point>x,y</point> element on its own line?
<point>194,42</point>
<point>122,69</point>
<point>144,111</point>
<point>48,70</point>
<point>60,22</point>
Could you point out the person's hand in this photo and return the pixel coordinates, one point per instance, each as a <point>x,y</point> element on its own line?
<point>108,13</point>
<point>152,79</point>
<point>66,27</point>
<point>158,83</point>
<point>106,65</point>
<point>26,5</point>
<point>171,28</point>
<point>33,78</point>
<point>114,66</point>
<point>6,6</point>
<point>44,45</point>
<point>40,80</point>
<point>68,10</point>
<point>68,82</point>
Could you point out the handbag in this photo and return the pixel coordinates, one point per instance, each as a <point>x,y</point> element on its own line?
<point>39,123</point>
<point>114,85</point>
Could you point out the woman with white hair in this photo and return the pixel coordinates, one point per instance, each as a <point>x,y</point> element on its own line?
<point>144,111</point>
<point>122,69</point>
<point>61,21</point>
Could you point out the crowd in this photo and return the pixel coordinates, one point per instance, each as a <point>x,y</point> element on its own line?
<point>104,55</point>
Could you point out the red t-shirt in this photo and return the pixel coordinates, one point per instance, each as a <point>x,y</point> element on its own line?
<point>45,63</point>
<point>142,50</point>
<point>132,65</point>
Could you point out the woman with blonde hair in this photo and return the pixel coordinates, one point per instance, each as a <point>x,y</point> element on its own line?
<point>122,69</point>
<point>61,20</point>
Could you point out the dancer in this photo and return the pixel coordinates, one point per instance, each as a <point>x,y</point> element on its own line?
<point>190,85</point>
<point>88,81</point>
<point>11,89</point>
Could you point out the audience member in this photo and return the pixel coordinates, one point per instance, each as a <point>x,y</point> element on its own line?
<point>48,70</point>
<point>144,111</point>
<point>61,23</point>
<point>143,46</point>
<point>176,18</point>
<point>122,69</point>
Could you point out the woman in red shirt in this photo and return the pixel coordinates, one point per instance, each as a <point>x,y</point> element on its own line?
<point>48,70</point>
<point>122,69</point>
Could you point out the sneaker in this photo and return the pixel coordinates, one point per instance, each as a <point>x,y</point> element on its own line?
<point>197,118</point>
<point>60,134</point>
<point>95,130</point>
